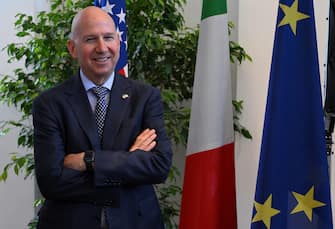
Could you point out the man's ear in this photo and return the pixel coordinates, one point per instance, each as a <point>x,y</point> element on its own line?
<point>71,47</point>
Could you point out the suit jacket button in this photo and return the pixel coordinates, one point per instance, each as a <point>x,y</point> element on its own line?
<point>109,203</point>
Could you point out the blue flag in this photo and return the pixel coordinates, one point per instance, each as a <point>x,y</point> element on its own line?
<point>117,10</point>
<point>293,190</point>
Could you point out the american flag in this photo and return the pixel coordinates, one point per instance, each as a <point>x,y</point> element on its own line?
<point>117,10</point>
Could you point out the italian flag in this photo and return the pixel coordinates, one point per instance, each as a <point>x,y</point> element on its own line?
<point>209,199</point>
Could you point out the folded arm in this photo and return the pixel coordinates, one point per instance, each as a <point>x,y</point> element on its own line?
<point>145,141</point>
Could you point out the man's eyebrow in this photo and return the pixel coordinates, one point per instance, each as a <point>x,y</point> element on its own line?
<point>110,33</point>
<point>103,34</point>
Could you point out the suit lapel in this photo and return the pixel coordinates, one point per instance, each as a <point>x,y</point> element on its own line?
<point>79,103</point>
<point>118,103</point>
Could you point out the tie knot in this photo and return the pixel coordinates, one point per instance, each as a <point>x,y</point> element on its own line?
<point>100,91</point>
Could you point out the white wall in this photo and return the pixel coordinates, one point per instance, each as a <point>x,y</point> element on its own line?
<point>16,194</point>
<point>256,34</point>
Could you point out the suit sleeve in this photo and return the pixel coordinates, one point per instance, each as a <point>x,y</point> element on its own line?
<point>54,180</point>
<point>138,167</point>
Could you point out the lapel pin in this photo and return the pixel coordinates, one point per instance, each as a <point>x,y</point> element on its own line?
<point>125,96</point>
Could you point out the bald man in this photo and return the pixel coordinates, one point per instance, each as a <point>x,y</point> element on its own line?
<point>95,176</point>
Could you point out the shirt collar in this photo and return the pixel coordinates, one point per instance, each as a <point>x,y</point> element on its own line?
<point>88,84</point>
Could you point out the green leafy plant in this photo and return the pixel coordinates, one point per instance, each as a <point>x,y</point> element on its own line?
<point>161,51</point>
<point>238,107</point>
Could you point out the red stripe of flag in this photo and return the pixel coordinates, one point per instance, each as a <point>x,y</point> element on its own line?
<point>209,190</point>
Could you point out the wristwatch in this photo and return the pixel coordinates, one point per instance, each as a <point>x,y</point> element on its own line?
<point>89,160</point>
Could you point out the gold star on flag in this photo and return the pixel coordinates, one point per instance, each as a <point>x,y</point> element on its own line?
<point>264,212</point>
<point>292,16</point>
<point>306,203</point>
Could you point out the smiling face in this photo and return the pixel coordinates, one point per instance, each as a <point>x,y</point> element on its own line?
<point>95,44</point>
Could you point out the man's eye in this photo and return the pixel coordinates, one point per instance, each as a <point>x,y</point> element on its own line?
<point>90,39</point>
<point>109,38</point>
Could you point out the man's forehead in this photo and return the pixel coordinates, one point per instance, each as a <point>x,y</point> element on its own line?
<point>98,26</point>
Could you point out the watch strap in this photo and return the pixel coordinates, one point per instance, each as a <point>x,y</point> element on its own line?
<point>89,160</point>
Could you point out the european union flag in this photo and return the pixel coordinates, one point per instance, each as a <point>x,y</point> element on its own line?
<point>117,10</point>
<point>292,188</point>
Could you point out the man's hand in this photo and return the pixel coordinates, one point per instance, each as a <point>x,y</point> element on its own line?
<point>145,141</point>
<point>75,161</point>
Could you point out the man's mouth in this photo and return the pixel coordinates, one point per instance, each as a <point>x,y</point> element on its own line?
<point>101,59</point>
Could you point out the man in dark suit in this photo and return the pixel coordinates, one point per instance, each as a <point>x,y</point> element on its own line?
<point>95,176</point>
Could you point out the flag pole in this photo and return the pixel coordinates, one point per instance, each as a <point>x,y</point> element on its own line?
<point>329,106</point>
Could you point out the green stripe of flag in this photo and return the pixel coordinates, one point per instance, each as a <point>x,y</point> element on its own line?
<point>213,7</point>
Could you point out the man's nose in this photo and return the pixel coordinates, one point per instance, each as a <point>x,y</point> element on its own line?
<point>101,45</point>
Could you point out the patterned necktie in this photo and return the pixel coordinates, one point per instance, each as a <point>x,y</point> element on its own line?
<point>101,107</point>
<point>100,115</point>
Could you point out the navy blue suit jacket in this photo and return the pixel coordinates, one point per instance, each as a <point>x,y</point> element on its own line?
<point>64,123</point>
